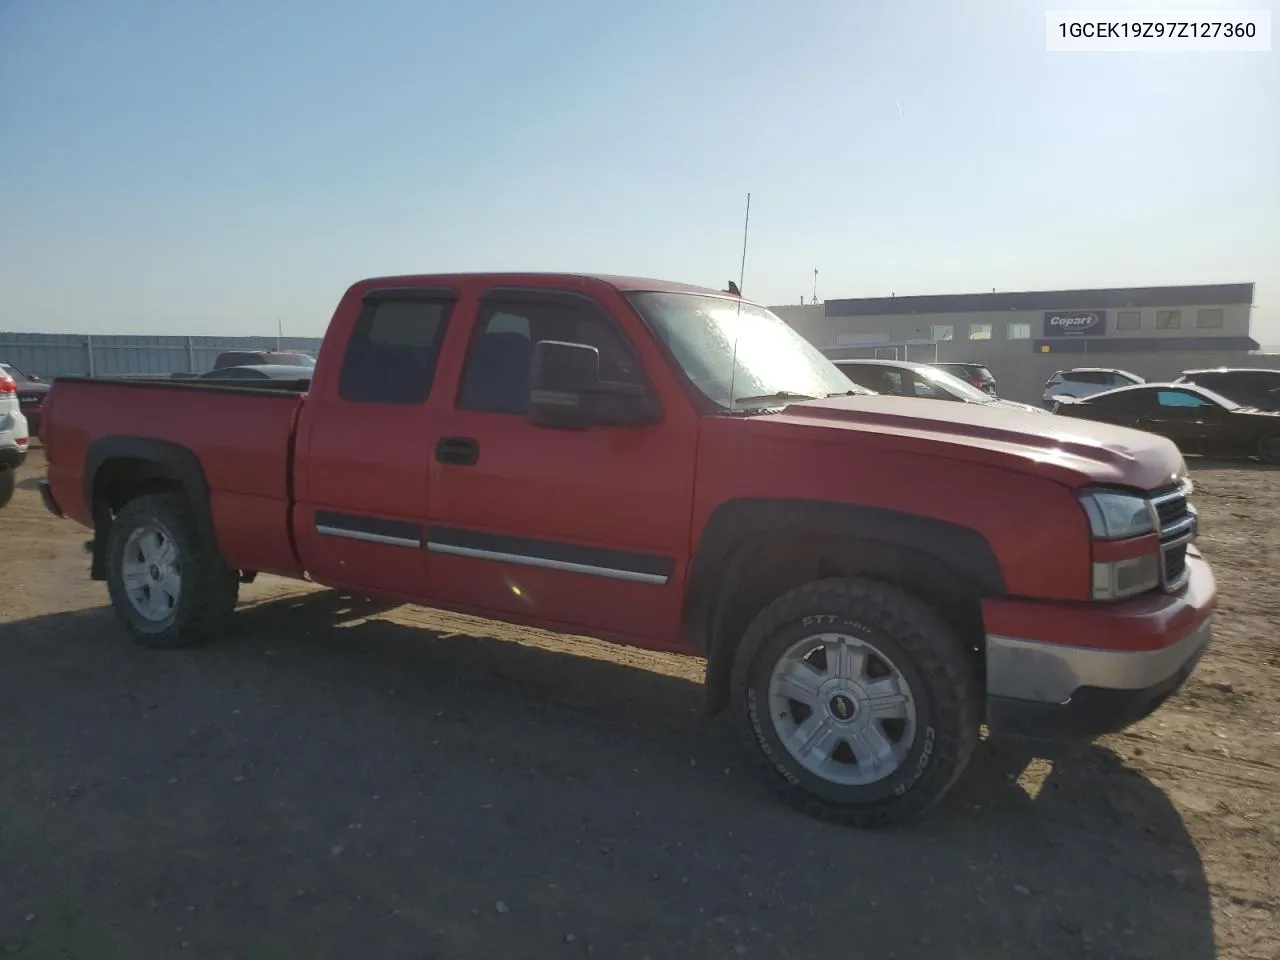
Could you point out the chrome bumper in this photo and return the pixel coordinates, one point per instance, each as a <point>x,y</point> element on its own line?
<point>1051,673</point>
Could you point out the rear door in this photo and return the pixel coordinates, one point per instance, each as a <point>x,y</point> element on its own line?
<point>364,460</point>
<point>588,529</point>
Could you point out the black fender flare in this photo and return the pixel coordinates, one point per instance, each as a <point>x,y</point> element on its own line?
<point>719,560</point>
<point>171,461</point>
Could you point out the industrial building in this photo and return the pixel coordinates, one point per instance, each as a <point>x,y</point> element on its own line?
<point>1023,338</point>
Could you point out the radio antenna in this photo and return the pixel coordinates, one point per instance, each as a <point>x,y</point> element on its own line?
<point>742,276</point>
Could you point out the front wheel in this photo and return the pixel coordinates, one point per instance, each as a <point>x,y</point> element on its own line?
<point>860,700</point>
<point>168,587</point>
<point>8,483</point>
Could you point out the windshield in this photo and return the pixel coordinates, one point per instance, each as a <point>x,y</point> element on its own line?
<point>954,385</point>
<point>702,333</point>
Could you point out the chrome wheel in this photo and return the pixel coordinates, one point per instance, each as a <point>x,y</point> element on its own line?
<point>842,709</point>
<point>151,572</point>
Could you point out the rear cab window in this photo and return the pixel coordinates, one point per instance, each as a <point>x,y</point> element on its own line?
<point>394,348</point>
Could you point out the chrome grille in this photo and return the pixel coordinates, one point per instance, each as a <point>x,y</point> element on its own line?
<point>1178,525</point>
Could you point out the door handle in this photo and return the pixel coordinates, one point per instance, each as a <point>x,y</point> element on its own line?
<point>460,451</point>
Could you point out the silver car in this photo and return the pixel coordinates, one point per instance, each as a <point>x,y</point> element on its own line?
<point>1085,382</point>
<point>904,378</point>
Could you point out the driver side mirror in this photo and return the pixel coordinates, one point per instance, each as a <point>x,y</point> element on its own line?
<point>566,392</point>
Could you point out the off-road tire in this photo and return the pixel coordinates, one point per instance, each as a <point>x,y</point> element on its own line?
<point>209,589</point>
<point>8,483</point>
<point>930,657</point>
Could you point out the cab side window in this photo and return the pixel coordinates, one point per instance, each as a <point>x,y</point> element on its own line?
<point>920,387</point>
<point>394,347</point>
<point>862,376</point>
<point>1176,398</point>
<point>496,376</point>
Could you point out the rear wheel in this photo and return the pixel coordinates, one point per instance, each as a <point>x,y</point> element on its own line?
<point>168,587</point>
<point>8,482</point>
<point>1269,450</point>
<point>860,701</point>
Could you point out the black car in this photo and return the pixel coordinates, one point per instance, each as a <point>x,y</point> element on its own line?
<point>31,394</point>
<point>1197,420</point>
<point>1246,386</point>
<point>255,358</point>
<point>974,374</point>
<point>905,378</point>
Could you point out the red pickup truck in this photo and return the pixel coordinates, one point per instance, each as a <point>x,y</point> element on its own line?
<point>869,578</point>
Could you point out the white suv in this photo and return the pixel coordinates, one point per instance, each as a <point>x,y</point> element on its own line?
<point>13,437</point>
<point>1086,381</point>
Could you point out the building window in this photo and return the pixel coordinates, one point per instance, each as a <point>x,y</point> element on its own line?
<point>1209,318</point>
<point>943,331</point>
<point>1129,320</point>
<point>1019,331</point>
<point>979,331</point>
<point>1168,319</point>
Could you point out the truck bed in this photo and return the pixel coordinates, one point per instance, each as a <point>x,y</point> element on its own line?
<point>241,436</point>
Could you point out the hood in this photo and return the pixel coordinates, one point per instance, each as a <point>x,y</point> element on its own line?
<point>1073,452</point>
<point>1000,402</point>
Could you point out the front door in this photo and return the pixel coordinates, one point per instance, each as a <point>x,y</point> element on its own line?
<point>589,528</point>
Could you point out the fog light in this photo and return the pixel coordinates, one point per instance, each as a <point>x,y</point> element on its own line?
<point>1117,579</point>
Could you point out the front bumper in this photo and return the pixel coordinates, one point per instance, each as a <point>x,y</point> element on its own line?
<point>1047,688</point>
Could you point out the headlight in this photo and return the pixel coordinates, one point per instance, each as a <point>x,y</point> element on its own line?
<point>1114,516</point>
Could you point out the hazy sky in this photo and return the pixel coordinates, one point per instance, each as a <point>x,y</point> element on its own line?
<point>209,167</point>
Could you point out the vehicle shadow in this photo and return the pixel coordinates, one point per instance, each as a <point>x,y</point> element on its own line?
<point>331,775</point>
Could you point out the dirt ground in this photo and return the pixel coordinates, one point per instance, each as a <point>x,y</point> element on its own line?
<point>342,779</point>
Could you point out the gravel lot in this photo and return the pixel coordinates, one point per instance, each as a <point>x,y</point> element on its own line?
<point>343,779</point>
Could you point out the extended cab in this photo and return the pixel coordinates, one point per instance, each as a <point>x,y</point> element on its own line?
<point>870,578</point>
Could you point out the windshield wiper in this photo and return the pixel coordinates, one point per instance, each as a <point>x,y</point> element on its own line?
<point>851,393</point>
<point>782,396</point>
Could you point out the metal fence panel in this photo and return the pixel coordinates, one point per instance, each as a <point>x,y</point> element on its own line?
<point>68,354</point>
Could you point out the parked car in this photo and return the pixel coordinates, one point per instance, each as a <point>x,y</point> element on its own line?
<point>869,579</point>
<point>1196,419</point>
<point>904,378</point>
<point>1246,386</point>
<point>31,393</point>
<point>974,374</point>
<point>1086,381</point>
<point>242,358</point>
<point>14,437</point>
<point>260,371</point>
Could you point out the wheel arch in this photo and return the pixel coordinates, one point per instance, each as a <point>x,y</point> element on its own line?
<point>121,468</point>
<point>753,551</point>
